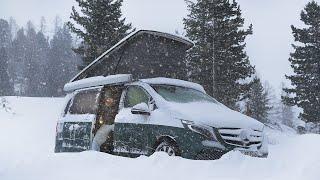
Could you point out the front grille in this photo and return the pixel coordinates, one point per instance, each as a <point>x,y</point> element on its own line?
<point>234,137</point>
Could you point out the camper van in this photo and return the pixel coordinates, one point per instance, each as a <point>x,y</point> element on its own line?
<point>121,116</point>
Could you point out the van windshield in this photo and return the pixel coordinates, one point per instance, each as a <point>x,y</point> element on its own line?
<point>182,94</point>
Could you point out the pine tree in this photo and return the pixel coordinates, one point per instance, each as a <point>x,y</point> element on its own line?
<point>305,61</point>
<point>41,63</point>
<point>11,51</point>
<point>57,22</point>
<point>62,61</point>
<point>5,34</point>
<point>18,62</point>
<point>286,111</point>
<point>32,65</point>
<point>101,26</point>
<point>6,87</point>
<point>13,27</point>
<point>218,60</point>
<point>36,49</point>
<point>258,104</point>
<point>43,25</point>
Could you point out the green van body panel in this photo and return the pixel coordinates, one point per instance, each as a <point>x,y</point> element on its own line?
<point>142,139</point>
<point>75,137</point>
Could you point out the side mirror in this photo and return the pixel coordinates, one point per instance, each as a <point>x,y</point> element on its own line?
<point>141,108</point>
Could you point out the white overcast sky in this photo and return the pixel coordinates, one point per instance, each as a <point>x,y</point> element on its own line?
<point>268,47</point>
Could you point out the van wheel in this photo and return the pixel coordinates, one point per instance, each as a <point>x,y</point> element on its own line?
<point>168,147</point>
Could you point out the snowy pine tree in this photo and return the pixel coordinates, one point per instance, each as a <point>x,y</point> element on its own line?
<point>305,61</point>
<point>43,25</point>
<point>286,114</point>
<point>13,27</point>
<point>6,87</point>
<point>29,62</point>
<point>62,61</point>
<point>101,26</point>
<point>5,34</point>
<point>31,65</point>
<point>36,57</point>
<point>42,63</point>
<point>57,23</point>
<point>19,63</point>
<point>258,105</point>
<point>218,60</point>
<point>36,65</point>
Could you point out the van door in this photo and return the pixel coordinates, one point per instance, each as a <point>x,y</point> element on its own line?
<point>108,109</point>
<point>130,129</point>
<point>78,121</point>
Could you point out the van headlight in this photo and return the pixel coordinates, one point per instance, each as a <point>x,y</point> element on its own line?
<point>206,131</point>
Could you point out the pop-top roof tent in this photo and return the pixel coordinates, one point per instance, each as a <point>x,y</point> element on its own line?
<point>144,54</point>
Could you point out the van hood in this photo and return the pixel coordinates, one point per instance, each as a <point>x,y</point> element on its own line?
<point>213,114</point>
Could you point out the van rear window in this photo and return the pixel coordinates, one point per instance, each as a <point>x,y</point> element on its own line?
<point>85,102</point>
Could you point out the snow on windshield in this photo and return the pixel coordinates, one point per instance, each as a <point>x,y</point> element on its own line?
<point>173,82</point>
<point>182,94</point>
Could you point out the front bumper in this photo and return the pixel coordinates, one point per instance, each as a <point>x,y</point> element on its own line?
<point>215,152</point>
<point>254,144</point>
<point>262,151</point>
<point>211,150</point>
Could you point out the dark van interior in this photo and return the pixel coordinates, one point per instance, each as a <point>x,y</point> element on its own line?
<point>108,109</point>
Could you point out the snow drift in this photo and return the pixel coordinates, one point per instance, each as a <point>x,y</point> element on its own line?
<point>27,143</point>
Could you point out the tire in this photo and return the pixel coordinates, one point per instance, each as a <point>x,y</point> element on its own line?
<point>168,147</point>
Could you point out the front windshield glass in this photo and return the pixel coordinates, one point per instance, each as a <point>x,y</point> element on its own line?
<point>182,94</point>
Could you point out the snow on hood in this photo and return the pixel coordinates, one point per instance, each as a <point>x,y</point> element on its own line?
<point>216,115</point>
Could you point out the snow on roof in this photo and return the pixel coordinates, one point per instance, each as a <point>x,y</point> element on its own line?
<point>131,35</point>
<point>97,81</point>
<point>174,82</point>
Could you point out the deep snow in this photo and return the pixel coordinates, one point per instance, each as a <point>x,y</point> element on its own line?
<point>27,136</point>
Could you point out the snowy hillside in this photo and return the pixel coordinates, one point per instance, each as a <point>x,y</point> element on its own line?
<point>27,134</point>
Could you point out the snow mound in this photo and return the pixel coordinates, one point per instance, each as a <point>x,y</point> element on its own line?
<point>27,145</point>
<point>278,132</point>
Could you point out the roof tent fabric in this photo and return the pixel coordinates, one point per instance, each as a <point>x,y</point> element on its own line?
<point>144,54</point>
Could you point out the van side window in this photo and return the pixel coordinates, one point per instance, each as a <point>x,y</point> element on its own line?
<point>134,96</point>
<point>85,102</point>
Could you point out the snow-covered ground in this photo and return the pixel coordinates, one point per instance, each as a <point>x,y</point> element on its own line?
<point>27,134</point>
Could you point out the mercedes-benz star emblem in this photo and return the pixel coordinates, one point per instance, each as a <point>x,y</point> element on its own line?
<point>245,136</point>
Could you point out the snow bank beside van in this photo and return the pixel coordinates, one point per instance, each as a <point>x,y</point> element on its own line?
<point>27,143</point>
